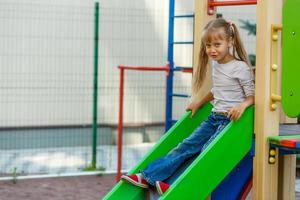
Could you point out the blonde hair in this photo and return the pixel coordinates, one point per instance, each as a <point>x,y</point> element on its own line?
<point>218,29</point>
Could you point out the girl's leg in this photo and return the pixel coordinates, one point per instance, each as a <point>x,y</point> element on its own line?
<point>164,167</point>
<point>221,123</point>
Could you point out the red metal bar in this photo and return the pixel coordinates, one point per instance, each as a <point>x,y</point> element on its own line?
<point>187,70</point>
<point>211,4</point>
<point>232,3</point>
<point>121,95</point>
<point>246,190</point>
<point>143,68</point>
<point>120,126</point>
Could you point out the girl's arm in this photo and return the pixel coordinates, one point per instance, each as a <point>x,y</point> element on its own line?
<point>246,80</point>
<point>195,105</point>
<point>237,111</point>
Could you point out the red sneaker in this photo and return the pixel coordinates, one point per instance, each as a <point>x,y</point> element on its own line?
<point>161,187</point>
<point>136,179</point>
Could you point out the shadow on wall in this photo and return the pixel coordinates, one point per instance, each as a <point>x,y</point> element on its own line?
<point>137,36</point>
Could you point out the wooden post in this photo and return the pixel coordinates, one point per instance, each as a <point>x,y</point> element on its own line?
<point>286,178</point>
<point>200,20</point>
<point>266,121</point>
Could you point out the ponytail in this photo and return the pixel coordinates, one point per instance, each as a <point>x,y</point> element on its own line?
<point>238,47</point>
<point>200,73</point>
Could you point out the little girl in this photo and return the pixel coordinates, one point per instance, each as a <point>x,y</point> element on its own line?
<point>232,93</point>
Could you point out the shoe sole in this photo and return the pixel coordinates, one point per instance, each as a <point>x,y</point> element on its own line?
<point>126,178</point>
<point>158,188</point>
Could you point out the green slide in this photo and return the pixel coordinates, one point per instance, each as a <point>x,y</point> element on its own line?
<point>207,170</point>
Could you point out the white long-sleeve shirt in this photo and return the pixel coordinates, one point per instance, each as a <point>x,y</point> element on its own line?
<point>232,83</point>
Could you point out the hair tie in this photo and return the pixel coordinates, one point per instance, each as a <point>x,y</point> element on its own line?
<point>231,26</point>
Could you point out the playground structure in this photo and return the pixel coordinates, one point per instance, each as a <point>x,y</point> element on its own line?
<point>273,174</point>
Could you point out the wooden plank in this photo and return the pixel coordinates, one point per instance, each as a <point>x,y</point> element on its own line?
<point>285,141</point>
<point>298,145</point>
<point>201,19</point>
<point>286,178</point>
<point>286,137</point>
<point>289,143</point>
<point>266,121</point>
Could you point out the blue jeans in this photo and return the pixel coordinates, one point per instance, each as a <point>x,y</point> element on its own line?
<point>164,167</point>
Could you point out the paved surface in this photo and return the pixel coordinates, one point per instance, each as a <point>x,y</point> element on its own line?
<point>68,188</point>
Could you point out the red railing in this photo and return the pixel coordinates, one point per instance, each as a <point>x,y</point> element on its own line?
<point>211,4</point>
<point>121,95</point>
<point>246,189</point>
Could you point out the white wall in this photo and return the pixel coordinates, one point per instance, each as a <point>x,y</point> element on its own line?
<point>47,60</point>
<point>46,66</point>
<point>46,63</point>
<point>134,33</point>
<point>238,13</point>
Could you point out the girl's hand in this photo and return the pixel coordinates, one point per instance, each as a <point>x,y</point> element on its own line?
<point>236,112</point>
<point>194,106</point>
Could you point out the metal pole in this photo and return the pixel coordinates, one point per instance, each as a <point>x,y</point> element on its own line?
<point>212,4</point>
<point>232,3</point>
<point>121,102</point>
<point>120,126</point>
<point>95,86</point>
<point>169,90</point>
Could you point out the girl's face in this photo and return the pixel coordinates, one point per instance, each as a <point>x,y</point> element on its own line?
<point>217,48</point>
